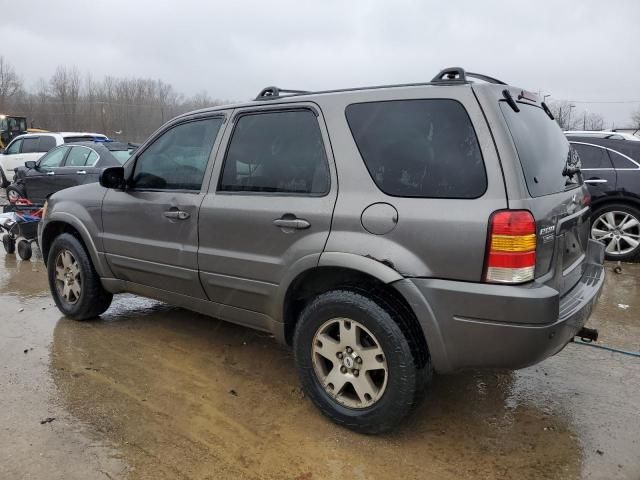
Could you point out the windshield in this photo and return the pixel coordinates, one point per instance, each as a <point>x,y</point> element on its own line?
<point>122,155</point>
<point>542,148</point>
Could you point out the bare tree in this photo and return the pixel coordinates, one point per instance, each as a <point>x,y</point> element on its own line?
<point>570,118</point>
<point>10,82</point>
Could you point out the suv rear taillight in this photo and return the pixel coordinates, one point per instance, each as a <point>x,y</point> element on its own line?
<point>511,247</point>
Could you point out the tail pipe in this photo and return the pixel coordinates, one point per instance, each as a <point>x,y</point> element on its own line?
<point>588,334</point>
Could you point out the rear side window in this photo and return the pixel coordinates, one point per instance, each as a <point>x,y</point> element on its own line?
<point>592,157</point>
<point>542,148</point>
<point>80,156</point>
<point>279,152</point>
<point>47,143</point>
<point>620,161</point>
<point>31,145</point>
<point>419,148</point>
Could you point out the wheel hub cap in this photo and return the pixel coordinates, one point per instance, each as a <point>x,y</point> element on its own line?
<point>349,363</point>
<point>618,230</point>
<point>67,277</point>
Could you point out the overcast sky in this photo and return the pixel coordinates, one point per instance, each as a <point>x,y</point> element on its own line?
<point>577,50</point>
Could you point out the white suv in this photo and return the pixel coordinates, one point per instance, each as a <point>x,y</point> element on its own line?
<point>32,146</point>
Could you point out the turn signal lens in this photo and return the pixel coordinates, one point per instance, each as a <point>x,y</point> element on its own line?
<point>511,247</point>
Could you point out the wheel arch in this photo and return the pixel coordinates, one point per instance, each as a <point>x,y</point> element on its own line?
<point>323,278</point>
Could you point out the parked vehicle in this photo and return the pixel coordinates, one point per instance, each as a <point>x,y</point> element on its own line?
<point>611,169</point>
<point>32,146</point>
<point>66,166</point>
<point>459,236</point>
<point>605,134</point>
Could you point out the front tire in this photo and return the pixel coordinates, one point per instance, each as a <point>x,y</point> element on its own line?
<point>354,362</point>
<point>15,193</point>
<point>74,282</point>
<point>618,227</point>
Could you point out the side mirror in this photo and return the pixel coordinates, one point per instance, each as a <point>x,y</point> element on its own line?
<point>30,164</point>
<point>113,177</point>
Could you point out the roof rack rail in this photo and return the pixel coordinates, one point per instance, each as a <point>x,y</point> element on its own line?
<point>458,75</point>
<point>270,93</point>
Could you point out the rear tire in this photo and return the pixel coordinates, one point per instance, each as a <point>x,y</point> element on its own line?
<point>24,250</point>
<point>393,381</point>
<point>8,243</point>
<point>14,192</point>
<point>74,282</point>
<point>617,225</point>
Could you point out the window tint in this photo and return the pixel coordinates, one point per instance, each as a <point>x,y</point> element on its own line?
<point>592,157</point>
<point>31,144</point>
<point>92,158</point>
<point>83,138</point>
<point>177,160</point>
<point>276,152</point>
<point>78,157</point>
<point>542,148</point>
<point>419,148</point>
<point>14,147</point>
<point>47,143</point>
<point>54,158</point>
<point>621,162</point>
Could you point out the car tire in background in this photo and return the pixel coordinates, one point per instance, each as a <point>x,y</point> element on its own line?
<point>617,225</point>
<point>74,282</point>
<point>4,181</point>
<point>354,361</point>
<point>15,192</point>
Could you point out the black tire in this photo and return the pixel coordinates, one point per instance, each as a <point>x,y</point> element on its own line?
<point>17,191</point>
<point>8,243</point>
<point>93,298</point>
<point>4,182</point>
<point>403,383</point>
<point>633,255</point>
<point>24,250</point>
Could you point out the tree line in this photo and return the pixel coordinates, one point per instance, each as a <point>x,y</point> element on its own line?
<point>132,108</point>
<point>128,109</point>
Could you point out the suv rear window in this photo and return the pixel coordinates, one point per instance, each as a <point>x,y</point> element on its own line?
<point>81,138</point>
<point>419,148</point>
<point>542,148</point>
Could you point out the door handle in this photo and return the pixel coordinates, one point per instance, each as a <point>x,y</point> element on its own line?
<point>177,214</point>
<point>292,223</point>
<point>596,180</point>
<point>51,173</point>
<point>81,172</point>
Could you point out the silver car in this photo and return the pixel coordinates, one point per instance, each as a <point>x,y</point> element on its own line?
<point>385,233</point>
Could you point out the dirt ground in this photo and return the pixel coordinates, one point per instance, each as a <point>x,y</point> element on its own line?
<point>154,392</point>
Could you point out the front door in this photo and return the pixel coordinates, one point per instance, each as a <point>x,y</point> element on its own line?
<point>269,207</point>
<point>151,229</point>
<point>41,181</point>
<point>597,170</point>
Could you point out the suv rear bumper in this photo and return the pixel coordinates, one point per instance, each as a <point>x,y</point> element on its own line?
<point>473,325</point>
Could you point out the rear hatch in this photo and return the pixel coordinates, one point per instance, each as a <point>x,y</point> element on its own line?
<point>558,197</point>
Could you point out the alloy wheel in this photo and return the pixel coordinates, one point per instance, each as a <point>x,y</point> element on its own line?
<point>349,363</point>
<point>68,281</point>
<point>618,230</point>
<point>13,196</point>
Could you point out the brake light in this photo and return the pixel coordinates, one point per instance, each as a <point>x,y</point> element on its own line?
<point>511,247</point>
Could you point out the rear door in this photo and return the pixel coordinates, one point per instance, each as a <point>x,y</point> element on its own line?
<point>269,207</point>
<point>597,169</point>
<point>557,200</point>
<point>79,167</point>
<point>150,230</point>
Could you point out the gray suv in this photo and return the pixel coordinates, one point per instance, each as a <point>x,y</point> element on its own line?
<point>385,233</point>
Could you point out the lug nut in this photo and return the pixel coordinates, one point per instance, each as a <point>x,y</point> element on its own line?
<point>349,350</point>
<point>359,360</point>
<point>356,373</point>
<point>343,369</point>
<point>339,354</point>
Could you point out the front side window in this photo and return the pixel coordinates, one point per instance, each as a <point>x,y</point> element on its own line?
<point>278,152</point>
<point>419,148</point>
<point>31,145</point>
<point>14,147</point>
<point>54,158</point>
<point>592,157</point>
<point>178,159</point>
<point>80,157</point>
